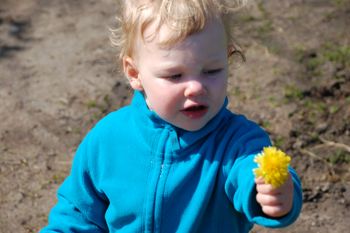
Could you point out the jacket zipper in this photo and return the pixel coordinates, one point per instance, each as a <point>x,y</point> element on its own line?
<point>155,191</point>
<point>157,198</point>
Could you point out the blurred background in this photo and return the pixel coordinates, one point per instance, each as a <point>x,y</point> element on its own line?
<point>59,75</point>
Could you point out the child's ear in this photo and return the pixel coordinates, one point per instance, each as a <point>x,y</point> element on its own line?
<point>132,73</point>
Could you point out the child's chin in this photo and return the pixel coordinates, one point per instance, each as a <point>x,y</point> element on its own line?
<point>192,128</point>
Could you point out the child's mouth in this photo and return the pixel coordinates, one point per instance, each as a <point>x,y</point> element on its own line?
<point>195,112</point>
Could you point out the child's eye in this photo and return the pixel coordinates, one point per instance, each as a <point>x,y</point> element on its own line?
<point>213,71</point>
<point>173,77</point>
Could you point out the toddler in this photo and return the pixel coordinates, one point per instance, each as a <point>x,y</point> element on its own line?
<point>175,159</point>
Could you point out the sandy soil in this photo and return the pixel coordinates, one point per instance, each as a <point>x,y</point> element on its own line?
<point>58,76</point>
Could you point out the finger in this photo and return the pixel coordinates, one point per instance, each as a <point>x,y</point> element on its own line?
<point>267,189</point>
<point>275,211</point>
<point>269,200</point>
<point>259,180</point>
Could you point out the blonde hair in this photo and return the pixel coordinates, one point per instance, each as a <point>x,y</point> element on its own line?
<point>183,17</point>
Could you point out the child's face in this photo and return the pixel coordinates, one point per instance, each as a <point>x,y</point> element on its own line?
<point>185,84</point>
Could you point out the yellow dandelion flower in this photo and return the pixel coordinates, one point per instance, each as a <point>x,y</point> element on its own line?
<point>272,166</point>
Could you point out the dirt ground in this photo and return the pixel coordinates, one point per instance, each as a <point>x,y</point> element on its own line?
<point>58,76</point>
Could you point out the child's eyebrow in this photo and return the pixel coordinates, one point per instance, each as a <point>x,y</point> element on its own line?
<point>217,59</point>
<point>173,67</point>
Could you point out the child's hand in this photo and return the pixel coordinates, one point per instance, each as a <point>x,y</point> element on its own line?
<point>275,202</point>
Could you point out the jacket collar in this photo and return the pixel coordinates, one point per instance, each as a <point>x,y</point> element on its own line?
<point>185,138</point>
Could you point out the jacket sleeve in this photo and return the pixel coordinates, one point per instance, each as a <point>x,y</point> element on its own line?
<point>80,207</point>
<point>241,190</point>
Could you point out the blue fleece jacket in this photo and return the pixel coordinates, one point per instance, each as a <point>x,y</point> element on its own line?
<point>134,172</point>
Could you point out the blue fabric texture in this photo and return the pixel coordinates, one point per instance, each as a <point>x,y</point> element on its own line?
<point>134,172</point>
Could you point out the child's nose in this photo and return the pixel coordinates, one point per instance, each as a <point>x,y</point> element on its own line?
<point>194,87</point>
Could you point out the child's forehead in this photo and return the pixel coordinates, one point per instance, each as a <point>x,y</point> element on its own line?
<point>160,33</point>
<point>209,43</point>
